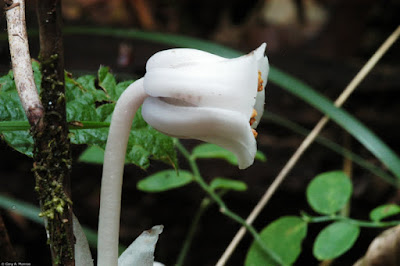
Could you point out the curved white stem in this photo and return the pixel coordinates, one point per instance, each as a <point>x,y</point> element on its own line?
<point>113,168</point>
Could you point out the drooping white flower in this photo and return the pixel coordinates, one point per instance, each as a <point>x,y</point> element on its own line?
<point>185,93</point>
<point>194,94</point>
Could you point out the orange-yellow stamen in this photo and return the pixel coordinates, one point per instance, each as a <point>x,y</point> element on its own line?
<point>252,118</point>
<point>260,82</point>
<point>254,113</point>
<point>254,132</point>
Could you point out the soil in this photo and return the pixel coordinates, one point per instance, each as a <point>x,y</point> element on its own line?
<point>327,62</point>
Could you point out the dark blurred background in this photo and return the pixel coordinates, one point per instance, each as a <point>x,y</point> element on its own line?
<point>323,43</point>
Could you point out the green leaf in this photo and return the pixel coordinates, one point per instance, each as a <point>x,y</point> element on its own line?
<point>229,184</point>
<point>165,180</point>
<point>11,110</point>
<point>92,154</point>
<point>384,211</point>
<point>260,156</point>
<point>25,209</point>
<point>93,107</point>
<point>334,240</point>
<point>328,192</point>
<point>284,237</point>
<point>7,82</point>
<point>107,82</point>
<point>212,151</point>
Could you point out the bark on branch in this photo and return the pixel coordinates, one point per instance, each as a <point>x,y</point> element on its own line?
<point>21,60</point>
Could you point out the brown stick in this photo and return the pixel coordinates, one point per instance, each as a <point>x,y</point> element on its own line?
<point>52,146</point>
<point>21,60</point>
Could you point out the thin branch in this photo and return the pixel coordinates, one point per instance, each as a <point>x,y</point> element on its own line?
<point>21,60</point>
<point>306,143</point>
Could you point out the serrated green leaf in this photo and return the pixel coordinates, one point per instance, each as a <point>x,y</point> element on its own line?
<point>328,192</point>
<point>107,82</point>
<point>384,211</point>
<point>165,180</point>
<point>284,237</point>
<point>212,151</point>
<point>229,184</point>
<point>335,239</point>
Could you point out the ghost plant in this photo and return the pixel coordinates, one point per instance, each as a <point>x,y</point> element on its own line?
<point>185,93</point>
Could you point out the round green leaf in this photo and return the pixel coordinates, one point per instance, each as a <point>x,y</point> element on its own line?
<point>334,240</point>
<point>165,180</point>
<point>230,184</point>
<point>384,211</point>
<point>328,192</point>
<point>283,237</point>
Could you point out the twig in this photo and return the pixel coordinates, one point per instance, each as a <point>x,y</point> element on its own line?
<point>306,143</point>
<point>21,60</point>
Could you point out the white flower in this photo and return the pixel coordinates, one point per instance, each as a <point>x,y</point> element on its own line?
<point>185,93</point>
<point>194,94</point>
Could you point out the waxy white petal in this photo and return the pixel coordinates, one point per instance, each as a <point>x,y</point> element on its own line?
<point>229,84</point>
<point>141,251</point>
<point>83,257</point>
<point>174,58</point>
<point>226,128</point>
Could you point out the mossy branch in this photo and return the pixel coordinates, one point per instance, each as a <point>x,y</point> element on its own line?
<point>52,146</point>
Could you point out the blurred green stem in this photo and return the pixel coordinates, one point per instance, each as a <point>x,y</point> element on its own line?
<point>361,223</point>
<point>205,203</point>
<point>223,208</point>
